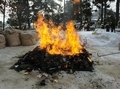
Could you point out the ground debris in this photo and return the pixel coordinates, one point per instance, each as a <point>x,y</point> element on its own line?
<point>42,61</point>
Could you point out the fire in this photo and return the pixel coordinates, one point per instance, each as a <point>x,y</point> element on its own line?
<point>57,41</point>
<point>76,1</point>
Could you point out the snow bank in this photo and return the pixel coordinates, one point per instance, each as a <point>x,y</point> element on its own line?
<point>100,38</point>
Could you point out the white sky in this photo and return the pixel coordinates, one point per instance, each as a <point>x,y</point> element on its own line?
<point>113,6</point>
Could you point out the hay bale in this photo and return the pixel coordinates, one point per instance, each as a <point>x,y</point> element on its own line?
<point>2,41</point>
<point>1,31</point>
<point>12,31</point>
<point>35,35</point>
<point>13,39</point>
<point>28,39</point>
<point>34,32</point>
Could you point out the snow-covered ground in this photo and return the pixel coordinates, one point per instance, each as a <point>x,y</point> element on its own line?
<point>100,38</point>
<point>106,74</point>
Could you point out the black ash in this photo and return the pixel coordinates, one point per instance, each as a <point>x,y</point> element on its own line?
<point>44,62</point>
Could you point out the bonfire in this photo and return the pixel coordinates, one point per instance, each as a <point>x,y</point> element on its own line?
<point>59,49</point>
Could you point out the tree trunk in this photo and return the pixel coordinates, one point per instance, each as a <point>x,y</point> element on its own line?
<point>105,12</point>
<point>4,15</point>
<point>117,11</point>
<point>102,12</point>
<point>28,15</point>
<point>4,21</point>
<point>19,16</point>
<point>19,20</point>
<point>81,13</point>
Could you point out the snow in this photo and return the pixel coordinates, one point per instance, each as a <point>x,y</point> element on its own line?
<point>106,74</point>
<point>101,38</point>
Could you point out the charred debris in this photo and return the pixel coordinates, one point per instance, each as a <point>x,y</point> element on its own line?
<point>44,62</point>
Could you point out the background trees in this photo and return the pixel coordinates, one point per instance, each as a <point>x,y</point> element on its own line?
<point>3,5</point>
<point>87,12</point>
<point>103,6</point>
<point>23,12</point>
<point>19,13</point>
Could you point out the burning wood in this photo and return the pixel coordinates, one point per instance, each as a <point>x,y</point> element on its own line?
<point>56,51</point>
<point>45,62</point>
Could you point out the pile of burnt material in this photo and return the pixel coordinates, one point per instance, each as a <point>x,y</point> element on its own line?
<point>42,61</point>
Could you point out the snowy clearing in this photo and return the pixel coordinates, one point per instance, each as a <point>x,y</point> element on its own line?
<point>106,74</point>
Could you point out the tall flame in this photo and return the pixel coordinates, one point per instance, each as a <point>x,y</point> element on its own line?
<point>55,40</point>
<point>76,1</point>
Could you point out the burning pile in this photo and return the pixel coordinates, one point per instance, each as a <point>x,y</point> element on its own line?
<point>57,41</point>
<point>59,50</point>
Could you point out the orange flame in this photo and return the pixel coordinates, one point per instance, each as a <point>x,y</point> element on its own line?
<point>76,1</point>
<point>57,41</point>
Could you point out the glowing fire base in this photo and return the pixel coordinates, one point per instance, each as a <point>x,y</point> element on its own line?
<point>42,61</point>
